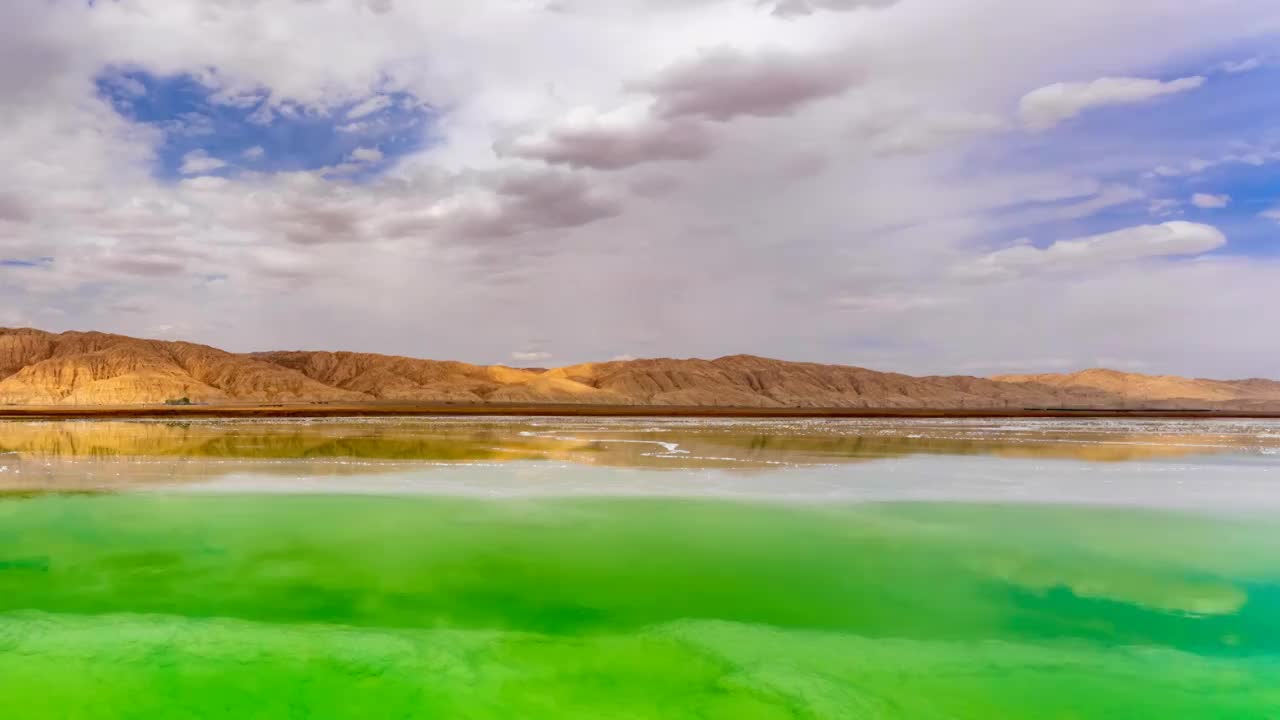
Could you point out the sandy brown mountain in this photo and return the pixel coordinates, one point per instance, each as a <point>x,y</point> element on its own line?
<point>1136,388</point>
<point>39,368</point>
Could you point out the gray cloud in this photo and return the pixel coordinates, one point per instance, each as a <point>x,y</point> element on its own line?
<point>601,146</point>
<point>501,205</point>
<point>145,265</point>
<point>32,56</point>
<point>529,202</point>
<point>318,225</point>
<point>13,209</point>
<point>792,8</point>
<point>727,83</point>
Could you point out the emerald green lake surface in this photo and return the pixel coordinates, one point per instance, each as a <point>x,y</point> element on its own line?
<point>639,569</point>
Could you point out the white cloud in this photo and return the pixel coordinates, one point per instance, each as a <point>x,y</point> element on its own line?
<point>199,162</point>
<point>375,104</point>
<point>1144,241</point>
<point>264,115</point>
<point>528,357</point>
<point>1240,66</point>
<point>913,132</point>
<point>254,153</point>
<point>1048,106</point>
<point>1109,196</point>
<point>127,85</point>
<point>1238,154</point>
<point>366,155</point>
<point>1206,201</point>
<point>1273,214</point>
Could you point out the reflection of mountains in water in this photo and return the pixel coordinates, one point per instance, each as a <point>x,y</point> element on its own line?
<point>738,445</point>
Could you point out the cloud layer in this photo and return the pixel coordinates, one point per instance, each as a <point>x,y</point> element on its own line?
<point>1135,243</point>
<point>832,180</point>
<point>1045,107</point>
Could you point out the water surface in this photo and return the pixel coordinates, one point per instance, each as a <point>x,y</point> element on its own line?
<point>640,569</point>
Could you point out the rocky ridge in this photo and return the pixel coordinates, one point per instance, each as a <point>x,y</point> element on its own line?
<point>89,368</point>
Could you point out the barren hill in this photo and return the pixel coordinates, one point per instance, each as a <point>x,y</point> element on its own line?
<point>1138,388</point>
<point>74,368</point>
<point>40,368</point>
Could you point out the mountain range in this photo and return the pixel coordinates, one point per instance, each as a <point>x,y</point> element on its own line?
<point>98,369</point>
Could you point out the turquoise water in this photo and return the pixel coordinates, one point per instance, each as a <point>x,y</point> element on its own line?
<point>1043,586</point>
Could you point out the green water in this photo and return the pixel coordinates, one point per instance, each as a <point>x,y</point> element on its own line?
<point>239,604</point>
<point>340,607</point>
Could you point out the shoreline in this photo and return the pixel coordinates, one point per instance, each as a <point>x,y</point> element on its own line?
<point>392,409</point>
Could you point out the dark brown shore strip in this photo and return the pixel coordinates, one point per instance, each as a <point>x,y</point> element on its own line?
<point>390,409</point>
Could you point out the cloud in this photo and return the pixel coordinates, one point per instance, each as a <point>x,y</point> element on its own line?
<point>896,303</point>
<point>366,155</point>
<point>529,202</point>
<point>1048,106</point>
<point>375,104</point>
<point>929,131</point>
<point>1272,214</point>
<point>728,83</point>
<point>792,8</point>
<point>199,162</point>
<point>1144,241</point>
<point>263,115</point>
<point>530,357</point>
<point>1239,154</point>
<point>1240,66</point>
<point>13,209</point>
<point>1205,201</point>
<point>1163,207</point>
<point>127,86</point>
<point>509,205</point>
<point>1107,197</point>
<point>586,139</point>
<point>254,153</point>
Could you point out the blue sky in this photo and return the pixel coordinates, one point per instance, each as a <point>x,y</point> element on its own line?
<point>25,262</point>
<point>1220,125</point>
<point>253,134</point>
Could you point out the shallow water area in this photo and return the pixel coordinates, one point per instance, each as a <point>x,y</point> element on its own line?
<point>640,569</point>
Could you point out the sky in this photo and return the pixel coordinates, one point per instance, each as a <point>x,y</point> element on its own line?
<point>923,186</point>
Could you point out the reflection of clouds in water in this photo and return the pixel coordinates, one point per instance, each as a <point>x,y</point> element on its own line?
<point>1239,488</point>
<point>698,668</point>
<point>1165,591</point>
